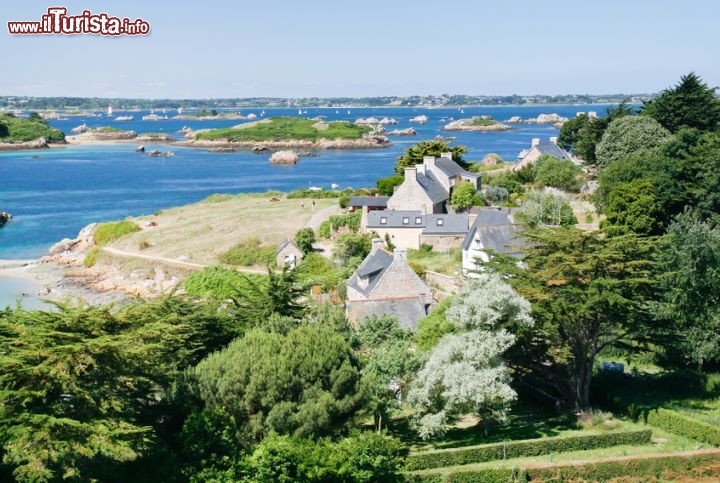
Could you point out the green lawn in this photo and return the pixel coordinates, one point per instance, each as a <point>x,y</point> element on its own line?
<point>441,262</point>
<point>287,128</point>
<point>483,121</point>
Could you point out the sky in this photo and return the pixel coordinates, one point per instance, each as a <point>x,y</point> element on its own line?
<point>320,48</point>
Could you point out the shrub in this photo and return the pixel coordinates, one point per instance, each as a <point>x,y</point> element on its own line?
<point>386,186</point>
<point>684,425</point>
<point>419,269</point>
<point>109,232</point>
<point>558,173</point>
<point>249,252</point>
<point>304,238</point>
<point>642,468</point>
<point>218,282</point>
<point>497,194</point>
<point>344,201</point>
<point>524,448</point>
<point>91,257</point>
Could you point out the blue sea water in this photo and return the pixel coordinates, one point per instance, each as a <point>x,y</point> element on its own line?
<point>53,193</point>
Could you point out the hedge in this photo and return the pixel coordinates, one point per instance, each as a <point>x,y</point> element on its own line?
<point>662,468</point>
<point>645,467</point>
<point>684,425</point>
<point>523,448</point>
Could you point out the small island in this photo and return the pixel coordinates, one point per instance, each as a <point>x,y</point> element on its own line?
<point>479,124</point>
<point>4,218</point>
<point>31,132</point>
<point>289,132</point>
<point>103,134</point>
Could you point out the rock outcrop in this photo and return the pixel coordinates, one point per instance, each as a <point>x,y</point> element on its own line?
<point>39,143</point>
<point>100,134</point>
<point>160,154</point>
<point>492,159</point>
<point>80,129</point>
<point>470,125</point>
<point>284,157</point>
<point>402,132</point>
<point>421,119</point>
<point>4,217</point>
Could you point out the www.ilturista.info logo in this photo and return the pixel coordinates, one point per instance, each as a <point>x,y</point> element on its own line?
<point>57,21</point>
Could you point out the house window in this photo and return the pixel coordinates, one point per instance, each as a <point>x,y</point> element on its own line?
<point>440,222</point>
<point>406,220</point>
<point>418,220</point>
<point>383,220</point>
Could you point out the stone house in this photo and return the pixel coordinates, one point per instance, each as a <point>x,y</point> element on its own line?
<point>427,186</point>
<point>384,283</point>
<point>288,254</point>
<point>409,229</point>
<point>537,149</point>
<point>493,230</point>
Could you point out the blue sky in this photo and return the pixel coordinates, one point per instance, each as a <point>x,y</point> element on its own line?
<point>325,48</point>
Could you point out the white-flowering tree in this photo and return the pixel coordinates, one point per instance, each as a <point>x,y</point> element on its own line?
<point>465,372</point>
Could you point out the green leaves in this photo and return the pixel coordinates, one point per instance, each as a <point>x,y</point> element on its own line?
<point>690,103</point>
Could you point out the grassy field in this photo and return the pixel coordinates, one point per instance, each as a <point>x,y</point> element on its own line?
<point>286,129</point>
<point>201,232</point>
<point>483,121</point>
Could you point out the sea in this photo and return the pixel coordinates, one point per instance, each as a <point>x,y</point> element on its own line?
<point>53,193</point>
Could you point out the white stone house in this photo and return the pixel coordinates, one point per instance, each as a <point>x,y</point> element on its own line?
<point>537,149</point>
<point>288,254</point>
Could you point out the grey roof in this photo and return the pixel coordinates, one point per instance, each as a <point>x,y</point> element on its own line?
<point>492,217</point>
<point>369,200</point>
<point>552,149</point>
<point>499,238</point>
<point>451,168</point>
<point>285,243</point>
<point>432,187</point>
<point>407,310</point>
<point>456,223</point>
<point>372,267</point>
<point>395,219</point>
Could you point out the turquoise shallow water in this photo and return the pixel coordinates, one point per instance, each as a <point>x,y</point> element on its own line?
<point>13,291</point>
<point>54,193</point>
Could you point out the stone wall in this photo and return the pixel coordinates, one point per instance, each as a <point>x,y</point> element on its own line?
<point>442,243</point>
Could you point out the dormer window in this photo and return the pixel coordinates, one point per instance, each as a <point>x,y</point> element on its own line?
<point>406,220</point>
<point>440,222</point>
<point>383,220</point>
<point>418,220</point>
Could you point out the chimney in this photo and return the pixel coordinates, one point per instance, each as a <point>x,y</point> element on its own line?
<point>420,168</point>
<point>401,253</point>
<point>554,140</point>
<point>410,173</point>
<point>377,244</point>
<point>535,142</point>
<point>446,156</point>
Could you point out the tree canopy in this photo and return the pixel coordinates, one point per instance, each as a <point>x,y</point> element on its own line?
<point>415,154</point>
<point>629,135</point>
<point>689,103</point>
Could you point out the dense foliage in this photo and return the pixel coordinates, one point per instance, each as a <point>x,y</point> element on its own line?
<point>690,103</point>
<point>558,173</point>
<point>286,129</point>
<point>15,129</point>
<point>415,154</point>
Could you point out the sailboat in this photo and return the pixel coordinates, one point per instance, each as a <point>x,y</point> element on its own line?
<point>109,110</point>
<point>263,112</point>
<point>299,112</point>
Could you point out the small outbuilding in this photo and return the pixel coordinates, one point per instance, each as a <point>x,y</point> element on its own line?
<point>288,254</point>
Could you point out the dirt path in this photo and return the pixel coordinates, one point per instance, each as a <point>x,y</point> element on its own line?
<point>321,216</point>
<point>171,261</point>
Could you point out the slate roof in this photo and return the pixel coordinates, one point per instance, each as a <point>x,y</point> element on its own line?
<point>369,201</point>
<point>432,187</point>
<point>492,217</point>
<point>285,243</point>
<point>456,223</point>
<point>552,149</point>
<point>407,310</point>
<point>373,267</point>
<point>501,238</point>
<point>394,219</point>
<point>451,168</point>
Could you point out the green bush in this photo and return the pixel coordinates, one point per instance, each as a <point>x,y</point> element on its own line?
<point>558,173</point>
<point>386,186</point>
<point>524,448</point>
<point>109,232</point>
<point>91,257</point>
<point>315,194</point>
<point>642,468</point>
<point>218,282</point>
<point>247,253</point>
<point>684,425</point>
